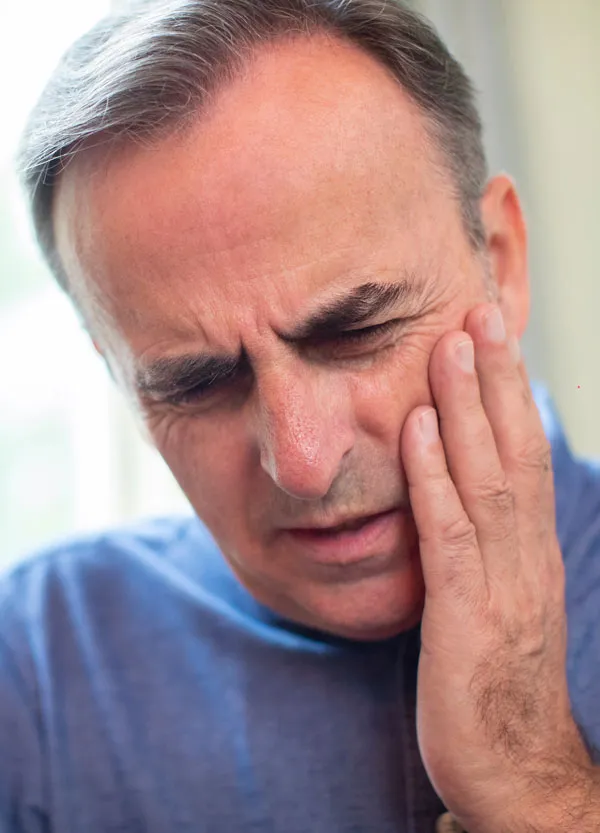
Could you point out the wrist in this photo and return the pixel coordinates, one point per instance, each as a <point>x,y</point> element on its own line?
<point>571,806</point>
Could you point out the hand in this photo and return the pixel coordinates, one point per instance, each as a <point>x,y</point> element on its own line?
<point>494,723</point>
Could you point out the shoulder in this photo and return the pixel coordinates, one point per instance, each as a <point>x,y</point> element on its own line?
<point>582,571</point>
<point>66,605</point>
<point>64,579</point>
<point>577,491</point>
<point>577,496</point>
<point>61,609</point>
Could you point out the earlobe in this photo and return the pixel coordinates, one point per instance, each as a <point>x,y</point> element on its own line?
<point>506,243</point>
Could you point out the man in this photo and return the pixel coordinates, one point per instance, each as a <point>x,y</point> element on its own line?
<point>274,219</point>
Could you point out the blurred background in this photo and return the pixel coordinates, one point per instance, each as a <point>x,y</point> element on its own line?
<point>70,455</point>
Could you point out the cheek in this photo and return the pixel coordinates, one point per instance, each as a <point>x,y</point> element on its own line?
<point>394,386</point>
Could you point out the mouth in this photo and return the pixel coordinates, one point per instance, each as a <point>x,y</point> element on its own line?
<point>352,540</point>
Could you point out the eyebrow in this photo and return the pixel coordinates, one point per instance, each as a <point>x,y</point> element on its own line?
<point>169,376</point>
<point>350,309</point>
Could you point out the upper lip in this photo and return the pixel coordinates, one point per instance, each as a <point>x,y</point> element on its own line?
<point>321,525</point>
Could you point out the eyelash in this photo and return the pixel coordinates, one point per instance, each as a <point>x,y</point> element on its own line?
<point>197,393</point>
<point>344,338</point>
<point>365,333</point>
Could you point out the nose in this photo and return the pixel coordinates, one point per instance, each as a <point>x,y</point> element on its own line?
<point>305,429</point>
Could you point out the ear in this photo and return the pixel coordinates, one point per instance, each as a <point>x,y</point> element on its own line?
<point>506,242</point>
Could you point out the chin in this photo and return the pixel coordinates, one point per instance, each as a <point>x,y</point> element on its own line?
<point>375,609</point>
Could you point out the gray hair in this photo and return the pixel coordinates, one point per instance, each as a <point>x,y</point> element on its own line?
<point>149,68</point>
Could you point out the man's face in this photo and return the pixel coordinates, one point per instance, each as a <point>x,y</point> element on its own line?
<point>268,286</point>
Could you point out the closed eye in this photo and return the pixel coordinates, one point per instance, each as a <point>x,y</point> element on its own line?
<point>343,344</point>
<point>207,390</point>
<point>348,343</point>
<point>365,333</point>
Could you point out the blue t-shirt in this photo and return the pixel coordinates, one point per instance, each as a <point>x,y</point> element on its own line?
<point>143,689</point>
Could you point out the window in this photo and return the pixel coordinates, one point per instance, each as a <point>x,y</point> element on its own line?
<point>70,456</point>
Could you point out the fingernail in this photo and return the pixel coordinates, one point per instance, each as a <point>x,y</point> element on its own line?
<point>428,423</point>
<point>465,356</point>
<point>494,326</point>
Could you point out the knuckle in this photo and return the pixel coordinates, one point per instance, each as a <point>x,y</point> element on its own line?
<point>545,457</point>
<point>537,456</point>
<point>496,496</point>
<point>459,534</point>
<point>526,636</point>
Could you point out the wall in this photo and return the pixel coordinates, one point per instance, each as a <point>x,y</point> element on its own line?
<point>537,65</point>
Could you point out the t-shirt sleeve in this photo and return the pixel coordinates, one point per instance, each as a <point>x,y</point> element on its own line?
<point>22,802</point>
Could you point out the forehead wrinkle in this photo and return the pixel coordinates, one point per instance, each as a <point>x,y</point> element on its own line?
<point>220,152</point>
<point>195,216</point>
<point>357,304</point>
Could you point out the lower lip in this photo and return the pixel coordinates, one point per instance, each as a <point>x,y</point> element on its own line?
<point>380,534</point>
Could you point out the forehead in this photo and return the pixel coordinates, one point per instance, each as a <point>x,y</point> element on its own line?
<point>302,173</point>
